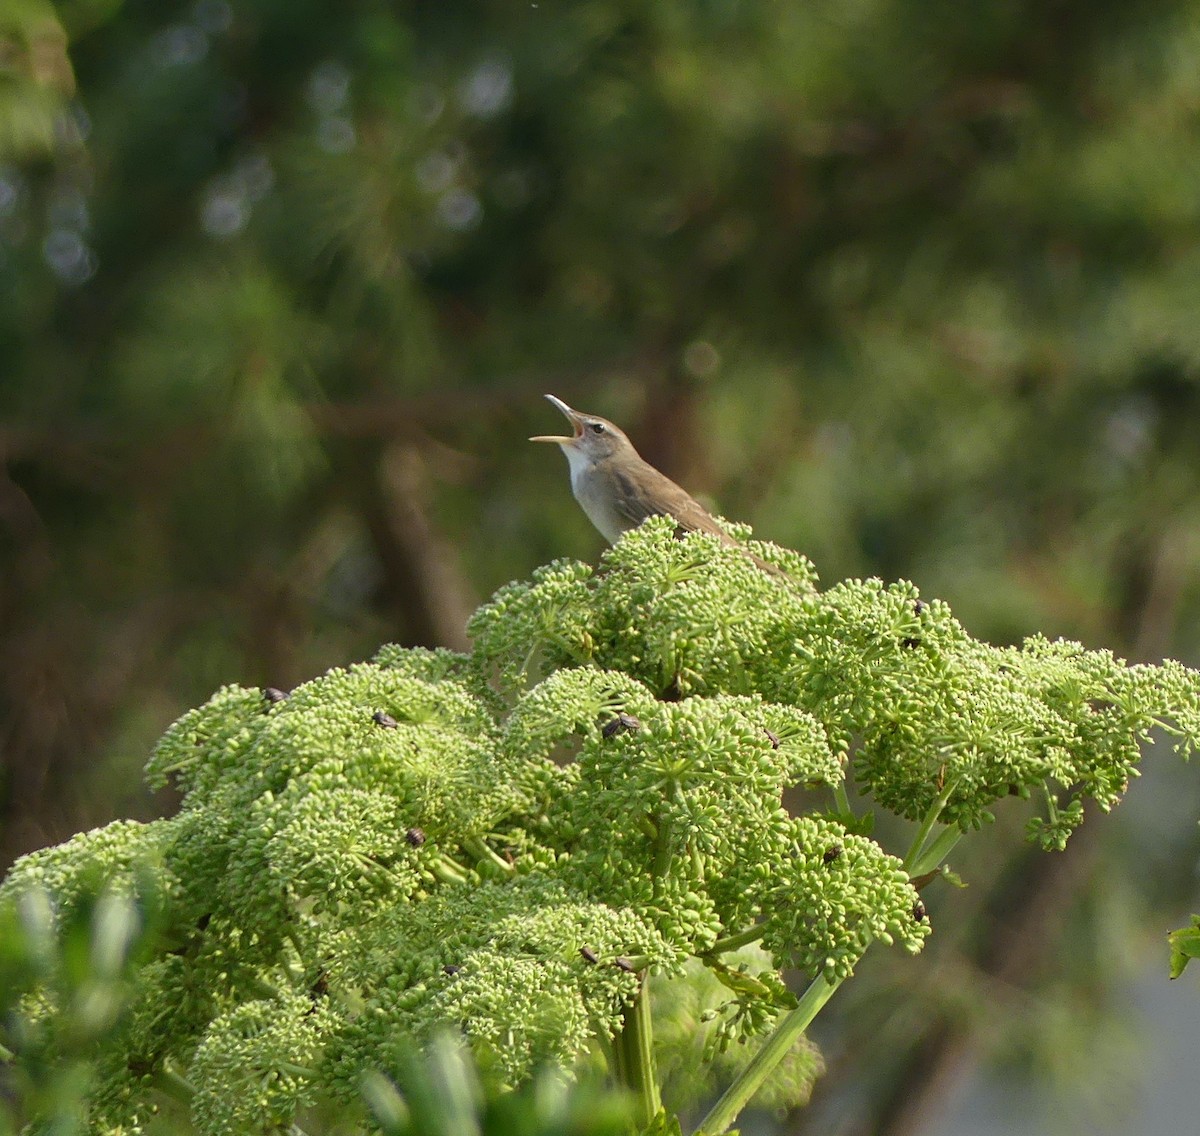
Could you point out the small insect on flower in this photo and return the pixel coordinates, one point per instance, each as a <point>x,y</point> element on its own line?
<point>272,694</point>
<point>919,606</point>
<point>624,964</point>
<point>415,837</point>
<point>318,990</point>
<point>451,970</point>
<point>384,720</point>
<point>832,853</point>
<point>918,912</point>
<point>589,954</point>
<point>621,724</point>
<point>772,737</point>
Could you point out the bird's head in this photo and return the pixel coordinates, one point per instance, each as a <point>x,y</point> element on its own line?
<point>594,438</point>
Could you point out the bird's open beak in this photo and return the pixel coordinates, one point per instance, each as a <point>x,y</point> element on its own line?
<point>574,418</point>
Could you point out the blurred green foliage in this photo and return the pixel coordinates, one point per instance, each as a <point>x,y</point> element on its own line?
<point>82,961</point>
<point>909,285</point>
<point>85,963</point>
<point>440,1095</point>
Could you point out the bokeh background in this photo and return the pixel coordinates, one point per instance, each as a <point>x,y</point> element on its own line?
<point>910,285</point>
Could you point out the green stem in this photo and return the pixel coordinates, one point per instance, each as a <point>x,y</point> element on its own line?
<point>842,799</point>
<point>775,1048</point>
<point>295,1070</point>
<point>661,867</point>
<point>447,871</point>
<point>633,1050</point>
<point>533,648</point>
<point>634,962</point>
<point>481,850</point>
<point>924,855</point>
<point>915,852</point>
<point>936,852</point>
<point>172,1085</point>
<point>732,942</point>
<point>1051,804</point>
<point>266,989</point>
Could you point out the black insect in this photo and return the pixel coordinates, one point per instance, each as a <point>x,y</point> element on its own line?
<point>622,723</point>
<point>384,720</point>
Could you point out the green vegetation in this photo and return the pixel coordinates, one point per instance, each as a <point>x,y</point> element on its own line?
<point>910,286</point>
<point>392,850</point>
<point>1185,946</point>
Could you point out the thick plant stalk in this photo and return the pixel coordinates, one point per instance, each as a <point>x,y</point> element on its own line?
<point>633,1052</point>
<point>776,1047</point>
<point>924,855</point>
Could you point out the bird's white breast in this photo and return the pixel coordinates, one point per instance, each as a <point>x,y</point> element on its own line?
<point>579,463</point>
<point>588,487</point>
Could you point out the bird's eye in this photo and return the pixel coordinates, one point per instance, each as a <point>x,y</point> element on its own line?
<point>597,427</point>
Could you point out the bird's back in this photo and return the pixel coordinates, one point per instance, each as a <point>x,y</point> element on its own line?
<point>629,492</point>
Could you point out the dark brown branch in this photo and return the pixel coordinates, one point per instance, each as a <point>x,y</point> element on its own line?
<point>425,578</point>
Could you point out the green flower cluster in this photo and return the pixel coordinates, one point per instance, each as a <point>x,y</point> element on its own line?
<point>504,843</point>
<point>932,709</point>
<point>892,679</point>
<point>527,966</point>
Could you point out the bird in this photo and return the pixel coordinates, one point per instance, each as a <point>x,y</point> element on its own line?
<point>618,488</point>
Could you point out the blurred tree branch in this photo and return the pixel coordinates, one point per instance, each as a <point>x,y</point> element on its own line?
<point>424,578</point>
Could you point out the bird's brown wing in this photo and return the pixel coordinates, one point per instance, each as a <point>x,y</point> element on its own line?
<point>655,494</point>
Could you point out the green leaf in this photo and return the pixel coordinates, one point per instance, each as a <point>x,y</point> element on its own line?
<point>1185,946</point>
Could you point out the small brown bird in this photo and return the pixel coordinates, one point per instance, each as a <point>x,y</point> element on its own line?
<point>618,489</point>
